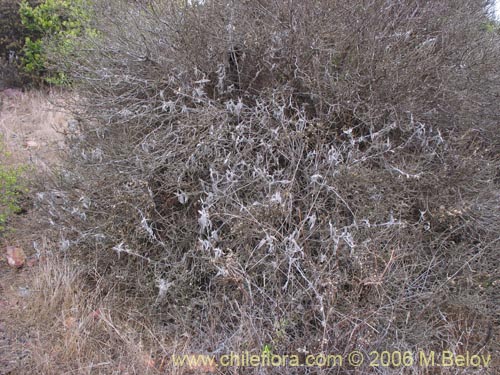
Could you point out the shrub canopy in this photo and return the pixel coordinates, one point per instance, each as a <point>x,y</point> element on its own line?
<point>315,174</point>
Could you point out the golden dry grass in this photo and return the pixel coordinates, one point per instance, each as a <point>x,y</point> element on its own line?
<point>79,330</point>
<point>61,325</point>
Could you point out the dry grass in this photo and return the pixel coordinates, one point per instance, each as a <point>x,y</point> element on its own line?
<point>32,125</point>
<point>31,130</point>
<point>75,329</point>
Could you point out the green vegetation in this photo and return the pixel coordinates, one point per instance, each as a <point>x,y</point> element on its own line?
<point>56,24</point>
<point>491,26</point>
<point>12,38</point>
<point>11,187</point>
<point>12,32</point>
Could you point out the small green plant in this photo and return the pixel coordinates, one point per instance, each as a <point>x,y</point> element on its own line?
<point>491,26</point>
<point>57,24</point>
<point>267,350</point>
<point>11,187</point>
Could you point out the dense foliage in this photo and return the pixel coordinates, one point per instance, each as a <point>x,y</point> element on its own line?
<point>12,37</point>
<point>55,24</point>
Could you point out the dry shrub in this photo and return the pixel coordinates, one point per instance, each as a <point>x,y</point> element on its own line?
<point>318,175</point>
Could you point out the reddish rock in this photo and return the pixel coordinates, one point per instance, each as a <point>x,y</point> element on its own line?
<point>15,256</point>
<point>31,144</point>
